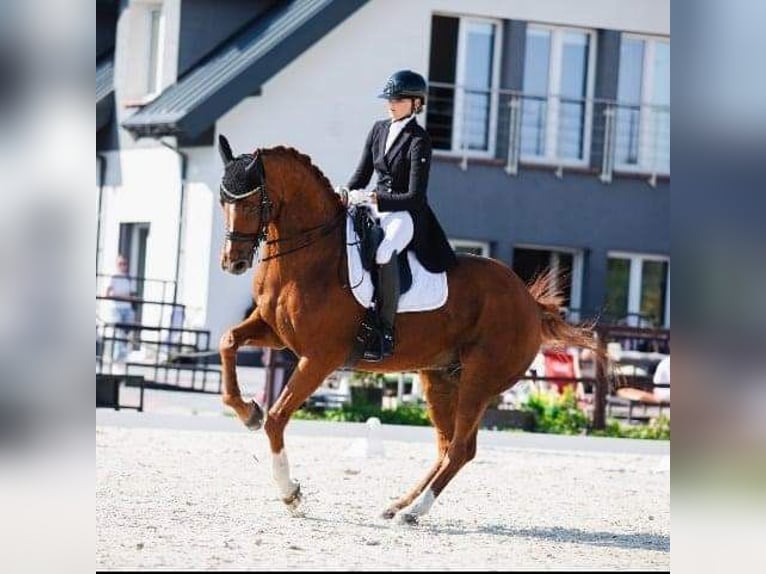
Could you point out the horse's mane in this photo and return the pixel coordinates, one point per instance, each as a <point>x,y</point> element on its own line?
<point>305,160</point>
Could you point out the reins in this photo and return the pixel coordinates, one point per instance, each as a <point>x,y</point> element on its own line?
<point>323,229</point>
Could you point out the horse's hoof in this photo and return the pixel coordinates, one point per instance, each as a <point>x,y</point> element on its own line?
<point>255,420</point>
<point>408,518</point>
<point>294,500</point>
<point>389,513</point>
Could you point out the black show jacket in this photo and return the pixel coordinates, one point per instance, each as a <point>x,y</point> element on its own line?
<point>402,184</point>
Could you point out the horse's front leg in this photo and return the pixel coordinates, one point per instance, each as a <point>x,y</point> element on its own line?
<point>307,376</point>
<point>251,331</point>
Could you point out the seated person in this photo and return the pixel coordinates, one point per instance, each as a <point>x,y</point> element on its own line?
<point>662,376</point>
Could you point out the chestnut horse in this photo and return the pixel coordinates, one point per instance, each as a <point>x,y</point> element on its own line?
<point>467,352</point>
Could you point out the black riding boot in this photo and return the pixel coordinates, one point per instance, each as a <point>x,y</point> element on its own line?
<point>386,301</point>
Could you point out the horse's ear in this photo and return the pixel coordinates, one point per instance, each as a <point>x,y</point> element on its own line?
<point>251,172</point>
<point>250,168</point>
<point>224,149</point>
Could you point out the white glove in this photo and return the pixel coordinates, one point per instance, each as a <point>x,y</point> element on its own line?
<point>359,197</point>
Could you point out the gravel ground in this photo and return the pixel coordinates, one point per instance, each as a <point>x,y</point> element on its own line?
<point>190,499</point>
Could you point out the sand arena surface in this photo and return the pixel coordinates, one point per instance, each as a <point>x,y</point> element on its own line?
<point>193,499</point>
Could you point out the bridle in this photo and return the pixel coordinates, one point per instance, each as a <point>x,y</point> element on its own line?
<point>265,212</point>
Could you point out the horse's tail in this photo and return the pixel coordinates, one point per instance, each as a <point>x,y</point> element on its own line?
<point>555,330</point>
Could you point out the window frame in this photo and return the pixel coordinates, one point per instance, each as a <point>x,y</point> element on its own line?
<point>646,107</point>
<point>155,63</point>
<point>494,89</point>
<point>554,97</point>
<point>634,282</point>
<point>471,243</point>
<point>578,273</point>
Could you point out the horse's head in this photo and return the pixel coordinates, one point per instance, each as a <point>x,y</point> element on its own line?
<point>246,207</point>
<point>297,207</point>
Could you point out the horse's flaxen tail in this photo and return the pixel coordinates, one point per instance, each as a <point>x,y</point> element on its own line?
<point>556,331</point>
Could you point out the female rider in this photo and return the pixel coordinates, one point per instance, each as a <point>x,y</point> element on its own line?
<point>399,150</point>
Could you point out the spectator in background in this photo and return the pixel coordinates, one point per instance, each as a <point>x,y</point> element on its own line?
<point>662,376</point>
<point>121,292</point>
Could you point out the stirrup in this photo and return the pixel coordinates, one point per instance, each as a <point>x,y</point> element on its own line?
<point>381,346</point>
<point>386,342</point>
<point>373,355</point>
<point>369,339</point>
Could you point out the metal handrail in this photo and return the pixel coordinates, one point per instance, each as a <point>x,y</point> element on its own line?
<point>629,137</point>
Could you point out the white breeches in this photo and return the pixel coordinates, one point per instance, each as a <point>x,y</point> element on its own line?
<point>398,229</point>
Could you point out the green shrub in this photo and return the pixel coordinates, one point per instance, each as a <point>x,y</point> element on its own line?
<point>557,414</point>
<point>657,429</point>
<point>406,414</point>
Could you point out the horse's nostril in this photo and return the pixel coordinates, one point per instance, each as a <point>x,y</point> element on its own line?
<point>239,267</point>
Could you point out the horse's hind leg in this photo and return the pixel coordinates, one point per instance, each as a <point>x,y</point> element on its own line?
<point>472,401</point>
<point>440,390</point>
<point>252,331</point>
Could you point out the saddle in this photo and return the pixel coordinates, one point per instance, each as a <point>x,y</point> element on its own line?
<point>370,237</point>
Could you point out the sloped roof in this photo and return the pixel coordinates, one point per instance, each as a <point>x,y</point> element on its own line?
<point>104,90</point>
<point>238,67</point>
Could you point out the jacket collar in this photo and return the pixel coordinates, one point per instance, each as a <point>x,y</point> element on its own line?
<point>403,138</point>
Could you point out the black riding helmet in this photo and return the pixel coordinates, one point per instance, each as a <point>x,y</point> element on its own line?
<point>405,84</point>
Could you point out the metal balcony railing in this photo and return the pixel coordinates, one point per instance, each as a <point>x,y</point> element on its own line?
<point>154,306</point>
<point>517,128</point>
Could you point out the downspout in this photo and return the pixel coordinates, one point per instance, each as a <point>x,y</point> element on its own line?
<point>184,162</point>
<point>101,176</point>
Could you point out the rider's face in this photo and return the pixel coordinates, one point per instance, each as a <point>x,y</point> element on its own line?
<point>399,108</point>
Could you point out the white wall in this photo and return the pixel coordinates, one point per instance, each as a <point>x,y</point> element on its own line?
<point>145,177</point>
<point>149,193</point>
<point>216,299</point>
<point>131,65</point>
<point>196,250</point>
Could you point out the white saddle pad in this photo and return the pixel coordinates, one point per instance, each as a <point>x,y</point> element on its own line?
<point>428,291</point>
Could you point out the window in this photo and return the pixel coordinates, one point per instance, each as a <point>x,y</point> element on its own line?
<point>156,33</point>
<point>558,85</point>
<point>642,133</point>
<point>463,71</point>
<point>637,289</point>
<point>528,262</point>
<point>470,246</point>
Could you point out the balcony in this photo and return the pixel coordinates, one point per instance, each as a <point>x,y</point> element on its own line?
<point>515,129</point>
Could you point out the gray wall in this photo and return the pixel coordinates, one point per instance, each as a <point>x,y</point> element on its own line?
<point>106,29</point>
<point>106,26</point>
<point>535,207</point>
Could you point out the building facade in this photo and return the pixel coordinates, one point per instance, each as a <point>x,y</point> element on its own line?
<point>550,123</point>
